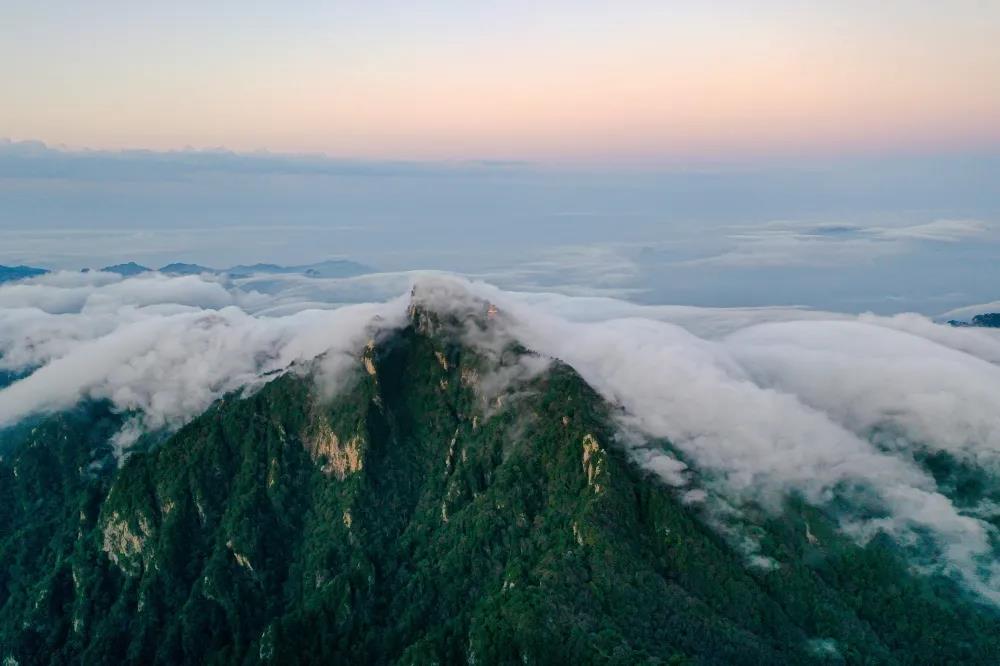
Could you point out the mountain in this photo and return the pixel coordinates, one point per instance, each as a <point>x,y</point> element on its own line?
<point>178,268</point>
<point>126,270</point>
<point>10,273</point>
<point>8,377</point>
<point>990,320</point>
<point>451,503</point>
<point>326,269</point>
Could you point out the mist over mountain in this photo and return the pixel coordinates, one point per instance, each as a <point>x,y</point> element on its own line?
<point>512,333</point>
<point>414,467</point>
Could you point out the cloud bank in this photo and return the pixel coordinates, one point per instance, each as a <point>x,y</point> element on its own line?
<point>803,244</point>
<point>826,406</point>
<point>761,402</point>
<point>165,347</point>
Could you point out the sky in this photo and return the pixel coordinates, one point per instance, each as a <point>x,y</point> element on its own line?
<point>837,155</point>
<point>705,195</point>
<point>551,81</point>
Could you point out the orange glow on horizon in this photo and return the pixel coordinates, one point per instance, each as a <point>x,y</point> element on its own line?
<point>714,86</point>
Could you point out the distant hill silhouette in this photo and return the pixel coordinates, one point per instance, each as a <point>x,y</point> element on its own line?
<point>129,269</point>
<point>10,273</point>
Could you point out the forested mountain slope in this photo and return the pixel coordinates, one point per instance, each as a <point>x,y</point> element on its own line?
<point>448,506</point>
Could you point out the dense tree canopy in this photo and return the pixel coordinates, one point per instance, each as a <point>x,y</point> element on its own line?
<point>415,518</point>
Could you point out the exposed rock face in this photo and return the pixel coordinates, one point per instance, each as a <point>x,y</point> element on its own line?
<point>592,461</point>
<point>337,458</point>
<point>469,377</point>
<point>366,358</point>
<point>123,544</point>
<point>240,558</point>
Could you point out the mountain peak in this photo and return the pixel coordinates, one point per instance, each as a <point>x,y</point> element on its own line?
<point>127,269</point>
<point>448,304</point>
<point>460,500</point>
<point>180,268</point>
<point>11,273</point>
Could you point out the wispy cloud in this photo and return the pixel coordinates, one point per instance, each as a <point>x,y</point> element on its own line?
<point>940,231</point>
<point>804,244</point>
<point>37,160</point>
<point>579,270</point>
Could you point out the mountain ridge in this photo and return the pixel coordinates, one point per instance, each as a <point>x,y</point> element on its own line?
<point>11,273</point>
<point>330,268</point>
<point>452,502</point>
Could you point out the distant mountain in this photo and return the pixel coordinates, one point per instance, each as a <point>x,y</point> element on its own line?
<point>326,269</point>
<point>988,320</point>
<point>429,514</point>
<point>10,273</point>
<point>127,270</point>
<point>186,269</point>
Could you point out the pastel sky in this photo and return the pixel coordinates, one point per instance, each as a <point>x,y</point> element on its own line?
<point>841,154</point>
<point>557,81</point>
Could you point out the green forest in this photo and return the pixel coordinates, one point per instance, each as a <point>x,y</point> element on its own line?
<point>412,518</point>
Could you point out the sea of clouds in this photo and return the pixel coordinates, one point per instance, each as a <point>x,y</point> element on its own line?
<point>762,402</point>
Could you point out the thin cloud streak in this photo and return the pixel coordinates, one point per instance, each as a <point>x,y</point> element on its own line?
<point>802,244</point>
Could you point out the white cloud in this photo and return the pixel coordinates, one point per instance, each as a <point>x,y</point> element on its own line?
<point>940,231</point>
<point>166,347</point>
<point>792,406</point>
<point>761,401</point>
<point>866,377</point>
<point>806,244</point>
<point>578,270</point>
<point>982,343</point>
<point>969,311</point>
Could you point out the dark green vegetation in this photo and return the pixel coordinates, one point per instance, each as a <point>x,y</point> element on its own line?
<point>412,519</point>
<point>7,377</point>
